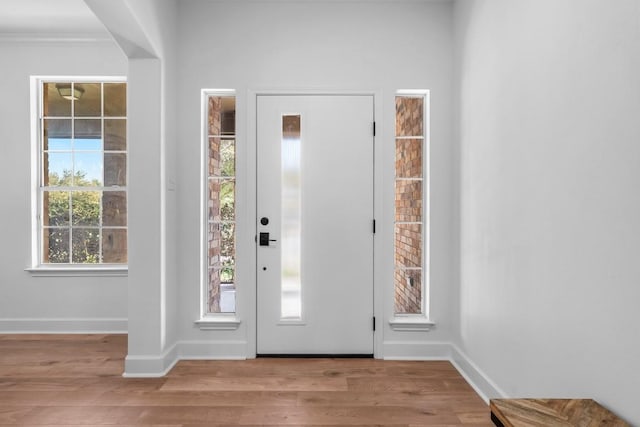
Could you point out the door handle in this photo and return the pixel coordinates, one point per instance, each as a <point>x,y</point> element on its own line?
<point>264,239</point>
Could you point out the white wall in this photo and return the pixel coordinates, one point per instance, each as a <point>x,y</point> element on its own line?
<point>549,202</point>
<point>282,45</point>
<point>44,303</point>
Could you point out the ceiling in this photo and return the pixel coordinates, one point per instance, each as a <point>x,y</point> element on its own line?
<point>55,18</point>
<point>48,17</point>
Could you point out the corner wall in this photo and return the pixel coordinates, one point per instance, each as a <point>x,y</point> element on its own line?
<point>548,130</point>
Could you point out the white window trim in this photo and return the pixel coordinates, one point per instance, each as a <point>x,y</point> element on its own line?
<point>411,323</point>
<point>218,322</point>
<point>420,322</point>
<point>73,270</point>
<point>58,270</point>
<point>210,321</point>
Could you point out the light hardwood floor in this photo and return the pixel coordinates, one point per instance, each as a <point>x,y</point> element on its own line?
<point>75,380</point>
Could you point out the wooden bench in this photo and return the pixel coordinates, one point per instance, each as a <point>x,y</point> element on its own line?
<point>552,412</point>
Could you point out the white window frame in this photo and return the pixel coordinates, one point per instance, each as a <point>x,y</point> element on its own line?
<point>212,321</point>
<point>37,267</point>
<point>420,322</point>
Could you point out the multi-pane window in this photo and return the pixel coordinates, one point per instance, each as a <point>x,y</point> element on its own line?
<point>82,162</point>
<point>220,203</point>
<point>410,186</point>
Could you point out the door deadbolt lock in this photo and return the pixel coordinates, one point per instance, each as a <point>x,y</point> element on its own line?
<point>264,239</point>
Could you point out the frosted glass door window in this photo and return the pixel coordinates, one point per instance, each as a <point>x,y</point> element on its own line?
<point>291,306</point>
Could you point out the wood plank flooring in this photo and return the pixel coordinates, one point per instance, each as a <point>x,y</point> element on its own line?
<point>75,380</point>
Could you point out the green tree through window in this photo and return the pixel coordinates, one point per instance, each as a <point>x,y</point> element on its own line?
<point>84,209</point>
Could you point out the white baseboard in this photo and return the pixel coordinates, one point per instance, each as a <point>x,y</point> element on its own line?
<point>158,366</point>
<point>412,350</point>
<point>477,379</point>
<point>64,326</point>
<point>151,366</point>
<point>481,383</point>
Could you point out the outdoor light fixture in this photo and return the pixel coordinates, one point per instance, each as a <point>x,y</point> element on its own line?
<point>69,92</point>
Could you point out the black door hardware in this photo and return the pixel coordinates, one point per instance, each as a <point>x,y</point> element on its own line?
<point>264,239</point>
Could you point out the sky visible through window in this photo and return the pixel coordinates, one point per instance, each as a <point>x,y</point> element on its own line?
<point>86,152</point>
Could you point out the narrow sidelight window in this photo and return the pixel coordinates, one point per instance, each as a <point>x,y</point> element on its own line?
<point>82,172</point>
<point>220,204</point>
<point>410,188</point>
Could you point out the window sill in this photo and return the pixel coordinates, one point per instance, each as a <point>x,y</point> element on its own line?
<point>222,323</point>
<point>414,324</point>
<point>73,271</point>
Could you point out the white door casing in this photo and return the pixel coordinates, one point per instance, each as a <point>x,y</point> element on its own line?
<point>336,211</point>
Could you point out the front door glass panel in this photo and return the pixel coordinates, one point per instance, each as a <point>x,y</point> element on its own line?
<point>291,286</point>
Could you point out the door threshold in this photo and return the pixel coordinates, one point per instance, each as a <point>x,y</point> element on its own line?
<point>315,356</point>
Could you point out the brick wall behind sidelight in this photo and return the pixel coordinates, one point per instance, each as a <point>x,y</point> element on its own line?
<point>213,204</point>
<point>408,205</point>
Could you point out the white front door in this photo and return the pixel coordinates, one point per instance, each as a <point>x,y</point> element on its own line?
<point>315,201</point>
